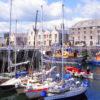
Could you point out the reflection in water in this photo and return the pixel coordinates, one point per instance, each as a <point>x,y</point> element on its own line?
<point>93,93</point>
<point>7,95</point>
<point>23,97</point>
<point>15,97</point>
<point>81,97</point>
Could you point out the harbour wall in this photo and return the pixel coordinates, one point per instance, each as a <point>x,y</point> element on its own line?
<point>18,56</point>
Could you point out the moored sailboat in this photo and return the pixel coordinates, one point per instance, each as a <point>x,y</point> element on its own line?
<point>54,88</point>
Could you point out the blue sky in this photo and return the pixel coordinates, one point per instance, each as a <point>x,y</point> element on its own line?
<point>25,11</point>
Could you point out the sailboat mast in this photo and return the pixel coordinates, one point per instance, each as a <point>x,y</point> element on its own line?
<point>42,36</point>
<point>62,37</point>
<point>10,24</point>
<point>42,41</point>
<point>15,46</point>
<point>35,29</point>
<point>10,18</point>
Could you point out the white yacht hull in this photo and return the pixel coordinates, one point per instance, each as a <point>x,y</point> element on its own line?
<point>76,92</point>
<point>50,96</point>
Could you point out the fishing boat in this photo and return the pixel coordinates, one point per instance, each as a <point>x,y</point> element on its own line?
<point>78,72</point>
<point>96,60</point>
<point>66,54</point>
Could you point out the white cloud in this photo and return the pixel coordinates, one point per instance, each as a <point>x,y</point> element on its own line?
<point>21,27</point>
<point>89,8</point>
<point>4,27</point>
<point>4,10</point>
<point>26,26</point>
<point>25,10</point>
<point>20,9</point>
<point>68,23</point>
<point>55,9</point>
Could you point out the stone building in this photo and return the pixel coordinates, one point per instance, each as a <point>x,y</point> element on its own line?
<point>85,32</point>
<point>39,38</point>
<point>45,38</point>
<point>19,39</point>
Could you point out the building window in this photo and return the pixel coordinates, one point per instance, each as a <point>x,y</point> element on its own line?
<point>49,42</point>
<point>98,39</point>
<point>78,28</point>
<point>90,32</point>
<point>84,28</point>
<point>44,36</point>
<point>84,37</point>
<point>50,36</point>
<point>72,28</point>
<point>84,32</point>
<point>39,36</point>
<point>91,43</point>
<point>91,27</point>
<point>55,36</point>
<point>91,37</point>
<point>39,42</point>
<point>55,40</point>
<point>98,26</point>
<point>73,38</point>
<point>98,31</point>
<point>44,42</point>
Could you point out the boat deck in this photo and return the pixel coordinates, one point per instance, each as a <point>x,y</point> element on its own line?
<point>12,81</point>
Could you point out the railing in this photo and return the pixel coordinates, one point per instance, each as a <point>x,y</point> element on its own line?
<point>17,47</point>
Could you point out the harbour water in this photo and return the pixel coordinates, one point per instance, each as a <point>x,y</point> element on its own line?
<point>93,92</point>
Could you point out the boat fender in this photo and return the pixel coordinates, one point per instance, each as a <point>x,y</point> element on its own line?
<point>43,93</point>
<point>77,82</point>
<point>16,85</point>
